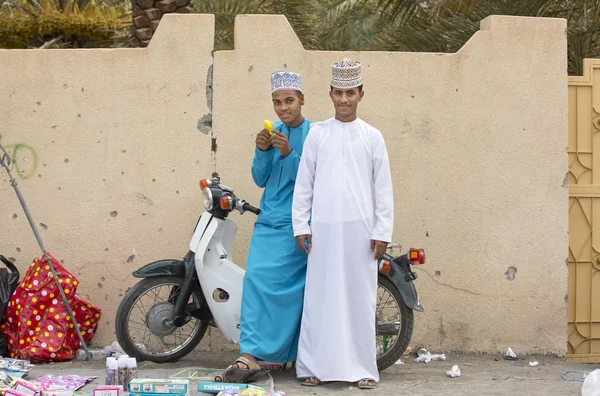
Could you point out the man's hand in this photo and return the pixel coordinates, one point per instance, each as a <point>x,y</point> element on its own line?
<point>379,248</point>
<point>263,140</point>
<point>281,142</point>
<point>300,241</point>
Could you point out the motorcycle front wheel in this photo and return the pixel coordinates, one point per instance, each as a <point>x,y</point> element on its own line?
<point>394,324</point>
<point>143,322</point>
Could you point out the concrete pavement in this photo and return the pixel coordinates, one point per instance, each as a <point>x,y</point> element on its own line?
<point>481,375</point>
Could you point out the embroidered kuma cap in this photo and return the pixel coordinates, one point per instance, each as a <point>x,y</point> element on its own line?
<point>346,74</point>
<point>282,80</point>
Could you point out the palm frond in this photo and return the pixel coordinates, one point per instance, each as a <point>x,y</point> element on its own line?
<point>299,13</point>
<point>52,24</point>
<point>349,25</point>
<point>402,10</point>
<point>225,13</point>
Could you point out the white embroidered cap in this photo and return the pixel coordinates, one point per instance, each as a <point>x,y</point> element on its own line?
<point>282,80</point>
<point>346,74</point>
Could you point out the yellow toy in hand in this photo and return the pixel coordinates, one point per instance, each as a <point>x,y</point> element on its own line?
<point>269,126</point>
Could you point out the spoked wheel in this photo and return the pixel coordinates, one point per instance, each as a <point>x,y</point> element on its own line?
<point>394,324</point>
<point>144,321</point>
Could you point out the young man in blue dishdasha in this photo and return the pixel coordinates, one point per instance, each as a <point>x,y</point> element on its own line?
<point>275,269</point>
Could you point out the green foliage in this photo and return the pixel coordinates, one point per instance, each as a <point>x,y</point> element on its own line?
<point>348,25</point>
<point>407,25</point>
<point>300,14</point>
<point>62,24</point>
<point>445,25</point>
<point>393,25</point>
<point>225,12</point>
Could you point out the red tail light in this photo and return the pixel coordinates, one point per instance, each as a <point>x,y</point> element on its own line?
<point>416,256</point>
<point>384,267</point>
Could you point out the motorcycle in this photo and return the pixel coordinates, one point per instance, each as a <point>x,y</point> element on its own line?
<point>164,316</point>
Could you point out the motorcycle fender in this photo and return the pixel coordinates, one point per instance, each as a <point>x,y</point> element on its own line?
<point>162,268</point>
<point>406,288</point>
<point>201,227</point>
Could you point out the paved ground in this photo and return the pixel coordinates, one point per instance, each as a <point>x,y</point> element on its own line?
<point>481,375</point>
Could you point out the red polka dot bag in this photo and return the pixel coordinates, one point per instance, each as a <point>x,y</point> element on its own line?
<point>37,325</point>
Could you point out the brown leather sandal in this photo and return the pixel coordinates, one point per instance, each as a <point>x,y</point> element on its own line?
<point>239,374</point>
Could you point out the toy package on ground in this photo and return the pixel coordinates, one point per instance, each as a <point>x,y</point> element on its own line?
<point>7,382</point>
<point>217,387</point>
<point>251,391</point>
<point>36,322</point>
<point>145,386</point>
<point>61,382</point>
<point>26,388</point>
<point>57,393</point>
<point>12,392</point>
<point>108,390</point>
<point>263,386</point>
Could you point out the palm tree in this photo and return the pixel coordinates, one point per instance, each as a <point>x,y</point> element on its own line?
<point>147,14</point>
<point>445,25</point>
<point>347,25</point>
<point>324,24</point>
<point>63,23</point>
<point>393,25</point>
<point>300,14</point>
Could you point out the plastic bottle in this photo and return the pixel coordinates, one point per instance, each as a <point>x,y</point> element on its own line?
<point>96,354</point>
<point>132,372</point>
<point>591,384</point>
<point>111,371</point>
<point>122,363</point>
<point>388,341</point>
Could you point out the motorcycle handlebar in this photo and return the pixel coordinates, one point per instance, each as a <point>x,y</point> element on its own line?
<point>247,207</point>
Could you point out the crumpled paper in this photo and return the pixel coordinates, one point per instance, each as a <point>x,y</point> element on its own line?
<point>15,365</point>
<point>428,357</point>
<point>455,372</point>
<point>510,354</point>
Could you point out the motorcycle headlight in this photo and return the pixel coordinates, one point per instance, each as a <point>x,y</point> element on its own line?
<point>208,198</point>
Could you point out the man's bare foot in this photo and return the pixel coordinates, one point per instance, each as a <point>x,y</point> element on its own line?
<point>312,381</point>
<point>366,384</point>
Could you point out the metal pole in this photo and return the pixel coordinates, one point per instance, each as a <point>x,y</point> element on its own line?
<point>5,161</point>
<point>66,302</point>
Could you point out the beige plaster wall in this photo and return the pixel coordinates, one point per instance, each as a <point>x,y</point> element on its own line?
<point>118,151</point>
<point>477,142</point>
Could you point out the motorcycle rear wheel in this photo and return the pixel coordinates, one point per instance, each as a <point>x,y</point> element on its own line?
<point>142,322</point>
<point>394,324</point>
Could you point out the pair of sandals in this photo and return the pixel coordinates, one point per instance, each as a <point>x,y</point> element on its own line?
<point>238,374</point>
<point>244,375</point>
<point>364,383</point>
